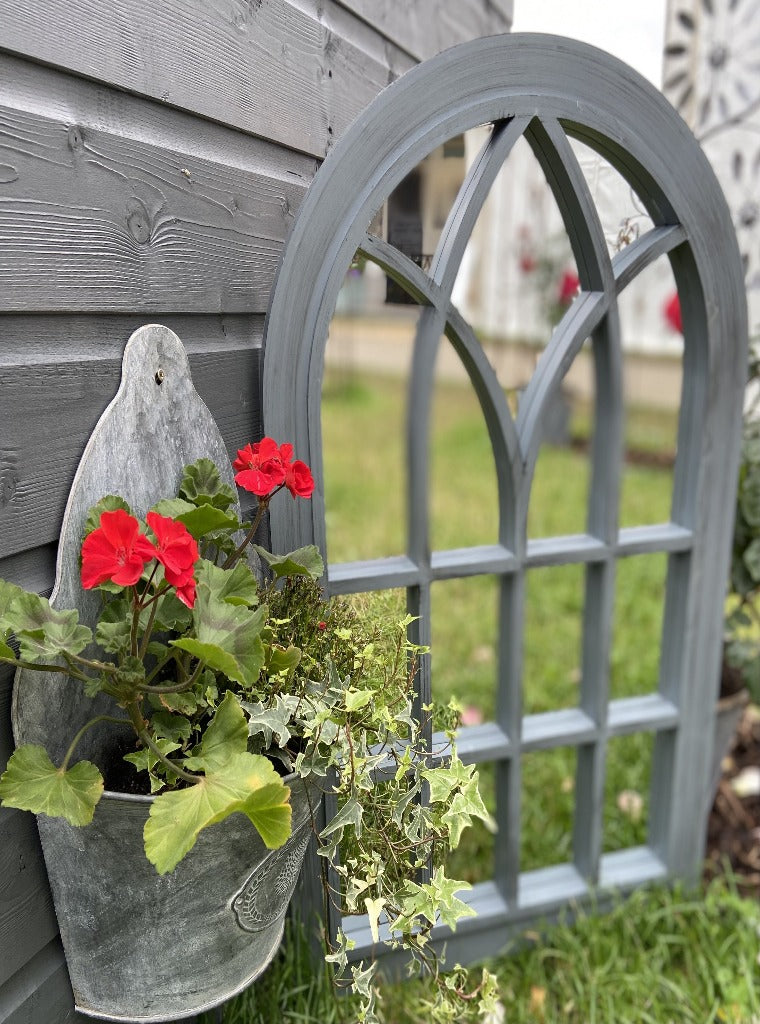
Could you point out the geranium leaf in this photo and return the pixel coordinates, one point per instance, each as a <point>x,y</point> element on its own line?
<point>32,782</point>
<point>7,652</point>
<point>245,783</point>
<point>228,637</point>
<point>172,507</point>
<point>170,727</point>
<point>114,630</point>
<point>202,485</point>
<point>44,632</point>
<point>108,503</point>
<point>236,585</point>
<point>305,561</point>
<point>203,519</point>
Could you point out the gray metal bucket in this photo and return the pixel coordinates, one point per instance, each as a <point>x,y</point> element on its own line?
<point>144,947</point>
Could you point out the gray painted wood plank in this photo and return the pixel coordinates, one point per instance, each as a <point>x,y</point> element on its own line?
<point>120,205</point>
<point>60,388</point>
<point>40,993</point>
<point>313,64</point>
<point>27,920</point>
<point>426,27</point>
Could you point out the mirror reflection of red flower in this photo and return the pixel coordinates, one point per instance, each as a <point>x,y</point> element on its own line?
<point>177,552</point>
<point>672,313</point>
<point>260,467</point>
<point>568,287</point>
<point>115,551</point>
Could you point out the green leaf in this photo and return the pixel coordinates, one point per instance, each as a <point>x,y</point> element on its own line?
<point>271,721</point>
<point>350,814</point>
<point>235,781</point>
<point>236,586</point>
<point>42,631</point>
<point>7,652</point>
<point>226,734</point>
<point>9,592</point>
<point>114,630</point>
<point>374,910</point>
<point>31,782</point>
<point>282,659</point>
<point>108,503</point>
<point>228,638</point>
<point>356,699</point>
<point>172,507</point>
<point>145,760</point>
<point>205,519</point>
<point>202,485</point>
<point>752,559</point>
<point>170,727</point>
<point>305,561</point>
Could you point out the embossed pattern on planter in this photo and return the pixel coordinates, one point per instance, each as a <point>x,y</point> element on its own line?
<point>265,896</point>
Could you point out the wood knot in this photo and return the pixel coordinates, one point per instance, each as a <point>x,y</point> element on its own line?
<point>138,222</point>
<point>75,137</point>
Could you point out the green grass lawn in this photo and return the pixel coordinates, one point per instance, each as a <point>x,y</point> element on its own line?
<point>661,957</point>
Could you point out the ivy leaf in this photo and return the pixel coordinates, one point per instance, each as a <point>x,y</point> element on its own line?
<point>228,638</point>
<point>374,910</point>
<point>271,721</point>
<point>356,699</point>
<point>234,781</point>
<point>32,782</point>
<point>236,585</point>
<point>42,631</point>
<point>108,503</point>
<point>202,485</point>
<point>752,559</point>
<point>350,814</point>
<point>282,659</point>
<point>305,561</point>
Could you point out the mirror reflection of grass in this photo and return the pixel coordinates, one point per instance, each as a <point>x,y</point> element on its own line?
<point>369,521</point>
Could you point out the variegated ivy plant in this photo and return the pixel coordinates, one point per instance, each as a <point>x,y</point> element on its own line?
<point>228,684</point>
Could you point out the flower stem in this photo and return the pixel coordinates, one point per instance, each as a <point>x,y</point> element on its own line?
<point>263,505</point>
<point>83,730</point>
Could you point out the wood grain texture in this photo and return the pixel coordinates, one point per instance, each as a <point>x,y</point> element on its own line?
<point>293,71</point>
<point>40,992</point>
<point>58,374</point>
<point>426,27</point>
<point>27,921</point>
<point>117,204</point>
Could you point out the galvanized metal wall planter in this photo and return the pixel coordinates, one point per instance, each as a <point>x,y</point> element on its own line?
<point>140,946</point>
<point>548,90</point>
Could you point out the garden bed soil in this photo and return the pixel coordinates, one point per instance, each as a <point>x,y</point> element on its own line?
<point>733,830</point>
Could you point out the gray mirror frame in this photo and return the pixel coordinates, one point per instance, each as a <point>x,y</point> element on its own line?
<point>547,88</point>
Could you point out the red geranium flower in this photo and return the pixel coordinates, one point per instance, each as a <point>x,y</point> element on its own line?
<point>568,287</point>
<point>186,592</point>
<point>260,467</point>
<point>298,479</point>
<point>115,551</point>
<point>672,313</point>
<point>177,552</point>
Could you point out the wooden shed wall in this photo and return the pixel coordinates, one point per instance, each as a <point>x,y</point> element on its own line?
<point>152,156</point>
